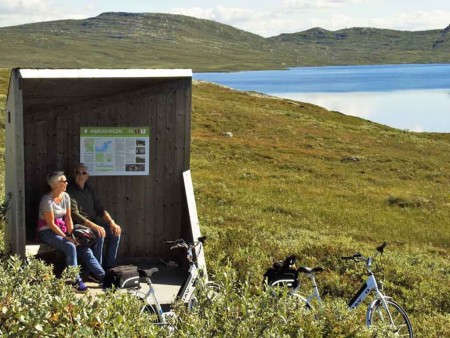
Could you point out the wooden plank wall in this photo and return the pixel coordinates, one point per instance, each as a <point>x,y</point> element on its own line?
<point>15,158</point>
<point>149,208</point>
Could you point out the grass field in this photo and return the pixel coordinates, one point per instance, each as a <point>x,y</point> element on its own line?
<point>298,179</point>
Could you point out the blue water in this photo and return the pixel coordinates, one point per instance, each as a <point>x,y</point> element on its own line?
<point>414,97</point>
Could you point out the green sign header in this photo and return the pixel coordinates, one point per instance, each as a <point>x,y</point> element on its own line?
<point>114,131</point>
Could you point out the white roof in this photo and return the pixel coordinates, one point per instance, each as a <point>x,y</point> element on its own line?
<point>103,73</point>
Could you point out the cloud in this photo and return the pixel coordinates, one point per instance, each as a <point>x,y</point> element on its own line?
<point>17,12</point>
<point>228,15</point>
<point>416,20</point>
<point>286,19</point>
<point>25,7</point>
<point>250,20</point>
<point>417,129</point>
<point>305,4</point>
<point>413,21</point>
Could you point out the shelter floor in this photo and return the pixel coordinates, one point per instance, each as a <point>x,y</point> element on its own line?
<point>166,282</point>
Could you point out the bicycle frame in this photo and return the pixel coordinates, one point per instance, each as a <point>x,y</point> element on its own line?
<point>369,286</point>
<point>156,305</point>
<point>186,292</point>
<point>315,294</point>
<point>188,287</point>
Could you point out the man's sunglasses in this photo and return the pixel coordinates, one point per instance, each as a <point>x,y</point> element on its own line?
<point>81,173</point>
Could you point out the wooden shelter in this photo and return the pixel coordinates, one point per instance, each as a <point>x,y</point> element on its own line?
<point>46,113</point>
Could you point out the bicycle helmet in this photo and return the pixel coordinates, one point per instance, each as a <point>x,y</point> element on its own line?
<point>83,235</point>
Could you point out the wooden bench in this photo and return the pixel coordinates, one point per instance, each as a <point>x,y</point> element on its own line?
<point>37,249</point>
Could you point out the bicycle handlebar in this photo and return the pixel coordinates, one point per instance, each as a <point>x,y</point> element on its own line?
<point>358,257</point>
<point>181,243</point>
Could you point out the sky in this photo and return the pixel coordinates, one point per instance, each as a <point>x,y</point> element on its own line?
<point>262,17</point>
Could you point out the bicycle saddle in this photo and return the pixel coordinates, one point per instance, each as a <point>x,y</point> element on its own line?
<point>305,269</point>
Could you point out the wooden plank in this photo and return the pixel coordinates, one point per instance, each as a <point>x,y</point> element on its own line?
<point>151,186</point>
<point>14,159</point>
<point>33,189</point>
<point>180,114</point>
<point>38,249</point>
<point>187,123</point>
<point>169,168</point>
<point>135,241</point>
<point>194,222</point>
<point>161,137</point>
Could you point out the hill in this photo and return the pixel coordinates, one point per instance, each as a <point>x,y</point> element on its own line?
<point>371,45</point>
<point>136,40</point>
<point>115,40</point>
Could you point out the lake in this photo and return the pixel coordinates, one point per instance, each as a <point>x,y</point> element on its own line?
<point>412,97</point>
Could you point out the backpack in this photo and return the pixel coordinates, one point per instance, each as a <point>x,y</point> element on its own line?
<point>122,276</point>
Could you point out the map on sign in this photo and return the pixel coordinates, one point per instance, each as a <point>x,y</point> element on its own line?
<point>109,151</point>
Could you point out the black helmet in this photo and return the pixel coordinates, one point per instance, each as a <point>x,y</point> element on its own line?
<point>83,235</point>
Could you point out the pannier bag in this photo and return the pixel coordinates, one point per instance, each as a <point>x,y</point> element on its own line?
<point>283,271</point>
<point>122,276</point>
<point>288,275</point>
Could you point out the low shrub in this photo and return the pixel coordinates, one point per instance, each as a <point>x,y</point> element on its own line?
<point>36,304</point>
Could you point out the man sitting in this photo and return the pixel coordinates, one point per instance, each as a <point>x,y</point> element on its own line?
<point>87,210</point>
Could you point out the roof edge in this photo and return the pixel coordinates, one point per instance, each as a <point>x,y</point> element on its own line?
<point>85,73</point>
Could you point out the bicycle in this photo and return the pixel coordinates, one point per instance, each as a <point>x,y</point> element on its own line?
<point>382,311</point>
<point>187,293</point>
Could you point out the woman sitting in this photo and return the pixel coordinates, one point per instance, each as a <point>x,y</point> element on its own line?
<point>55,227</point>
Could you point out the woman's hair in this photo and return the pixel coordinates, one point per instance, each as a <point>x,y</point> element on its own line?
<point>53,177</point>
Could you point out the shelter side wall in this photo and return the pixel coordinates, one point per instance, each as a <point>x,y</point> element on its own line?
<point>14,168</point>
<point>149,208</point>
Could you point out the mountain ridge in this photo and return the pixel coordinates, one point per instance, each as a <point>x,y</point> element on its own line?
<point>157,40</point>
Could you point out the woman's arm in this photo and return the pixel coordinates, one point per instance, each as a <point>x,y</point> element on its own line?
<point>68,221</point>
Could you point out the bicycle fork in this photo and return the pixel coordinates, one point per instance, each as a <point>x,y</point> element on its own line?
<point>380,298</point>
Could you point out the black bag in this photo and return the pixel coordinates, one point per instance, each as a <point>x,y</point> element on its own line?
<point>122,276</point>
<point>284,274</point>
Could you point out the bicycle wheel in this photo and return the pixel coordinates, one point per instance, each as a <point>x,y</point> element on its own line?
<point>212,291</point>
<point>379,319</point>
<point>282,283</point>
<point>192,304</point>
<point>150,311</point>
<point>280,286</point>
